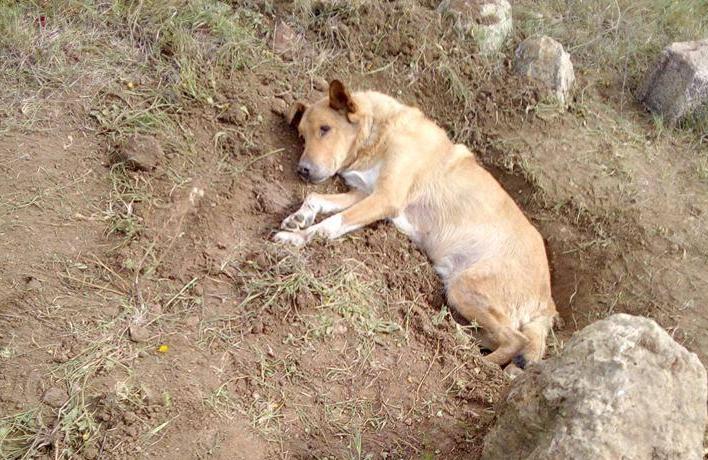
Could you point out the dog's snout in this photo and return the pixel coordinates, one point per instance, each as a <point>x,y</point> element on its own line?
<point>303,171</point>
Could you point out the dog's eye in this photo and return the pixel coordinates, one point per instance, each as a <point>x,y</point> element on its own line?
<point>324,129</point>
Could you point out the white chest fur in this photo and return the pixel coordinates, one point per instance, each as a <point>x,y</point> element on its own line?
<point>362,180</point>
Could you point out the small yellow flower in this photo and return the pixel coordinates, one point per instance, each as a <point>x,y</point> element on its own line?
<point>163,349</point>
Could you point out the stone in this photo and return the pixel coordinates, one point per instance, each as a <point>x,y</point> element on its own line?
<point>488,22</point>
<point>233,115</point>
<point>32,283</point>
<point>320,84</point>
<point>544,60</point>
<point>55,397</point>
<point>279,107</point>
<point>138,334</point>
<point>285,40</point>
<point>140,152</point>
<point>90,452</point>
<point>152,397</point>
<point>621,388</point>
<point>677,84</point>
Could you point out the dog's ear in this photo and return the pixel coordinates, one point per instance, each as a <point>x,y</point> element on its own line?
<point>339,97</point>
<point>295,113</point>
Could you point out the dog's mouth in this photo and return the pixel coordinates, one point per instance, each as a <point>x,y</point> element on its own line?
<point>313,179</point>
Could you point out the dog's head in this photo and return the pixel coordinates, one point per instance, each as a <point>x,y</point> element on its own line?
<point>330,128</point>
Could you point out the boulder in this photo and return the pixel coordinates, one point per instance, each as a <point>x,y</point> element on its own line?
<point>621,389</point>
<point>677,85</point>
<point>487,21</point>
<point>544,60</point>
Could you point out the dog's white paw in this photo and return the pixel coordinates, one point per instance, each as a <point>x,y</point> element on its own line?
<point>299,220</point>
<point>293,238</point>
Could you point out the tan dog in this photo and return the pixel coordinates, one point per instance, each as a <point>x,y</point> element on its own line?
<point>401,166</point>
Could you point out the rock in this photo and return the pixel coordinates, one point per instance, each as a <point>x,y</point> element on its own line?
<point>285,40</point>
<point>544,59</point>
<point>138,334</point>
<point>677,84</point>
<point>279,107</point>
<point>55,397</point>
<point>487,21</point>
<point>61,357</point>
<point>32,283</point>
<point>90,452</point>
<point>152,397</point>
<point>140,152</point>
<point>320,84</point>
<point>622,388</point>
<point>233,115</point>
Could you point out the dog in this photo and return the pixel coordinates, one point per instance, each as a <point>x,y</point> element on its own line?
<point>402,167</point>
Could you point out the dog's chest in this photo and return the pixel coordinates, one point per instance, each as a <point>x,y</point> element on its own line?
<point>362,180</point>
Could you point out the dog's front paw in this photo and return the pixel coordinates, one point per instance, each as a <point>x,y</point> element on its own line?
<point>303,218</point>
<point>294,238</point>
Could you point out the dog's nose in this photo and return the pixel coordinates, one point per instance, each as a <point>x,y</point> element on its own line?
<point>303,171</point>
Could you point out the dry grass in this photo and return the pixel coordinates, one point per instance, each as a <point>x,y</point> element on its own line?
<point>139,63</point>
<point>290,289</point>
<point>620,36</point>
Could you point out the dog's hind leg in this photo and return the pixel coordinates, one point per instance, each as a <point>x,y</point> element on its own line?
<point>536,331</point>
<point>476,307</point>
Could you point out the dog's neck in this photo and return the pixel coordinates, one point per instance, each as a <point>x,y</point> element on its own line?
<point>370,139</point>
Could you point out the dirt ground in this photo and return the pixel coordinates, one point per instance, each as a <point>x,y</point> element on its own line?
<point>144,311</point>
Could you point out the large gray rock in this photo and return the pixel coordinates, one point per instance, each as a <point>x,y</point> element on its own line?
<point>677,84</point>
<point>621,389</point>
<point>487,21</point>
<point>544,59</point>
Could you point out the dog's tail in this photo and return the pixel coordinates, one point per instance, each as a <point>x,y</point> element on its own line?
<point>536,331</point>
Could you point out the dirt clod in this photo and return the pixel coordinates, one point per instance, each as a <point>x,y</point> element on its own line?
<point>139,152</point>
<point>284,40</point>
<point>90,453</point>
<point>152,396</point>
<point>279,107</point>
<point>32,283</point>
<point>138,334</point>
<point>55,397</point>
<point>233,115</point>
<point>320,84</point>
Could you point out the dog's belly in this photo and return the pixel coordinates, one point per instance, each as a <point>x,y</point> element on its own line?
<point>451,250</point>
